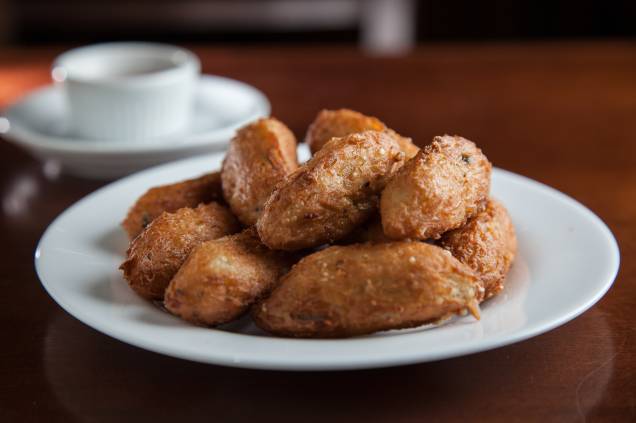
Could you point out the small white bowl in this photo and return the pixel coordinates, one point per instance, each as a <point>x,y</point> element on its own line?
<point>128,91</point>
<point>40,123</point>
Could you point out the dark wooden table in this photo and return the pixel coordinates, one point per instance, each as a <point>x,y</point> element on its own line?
<point>564,114</point>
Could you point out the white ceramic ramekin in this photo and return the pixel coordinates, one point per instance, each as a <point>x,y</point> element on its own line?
<point>128,91</point>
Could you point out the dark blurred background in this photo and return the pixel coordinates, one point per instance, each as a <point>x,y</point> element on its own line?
<point>376,25</point>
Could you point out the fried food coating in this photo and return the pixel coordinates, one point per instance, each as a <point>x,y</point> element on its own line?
<point>259,157</point>
<point>438,190</point>
<point>487,244</point>
<point>170,198</point>
<point>331,194</point>
<point>222,278</point>
<point>339,123</point>
<point>406,144</point>
<point>158,252</point>
<point>365,288</point>
<point>369,231</point>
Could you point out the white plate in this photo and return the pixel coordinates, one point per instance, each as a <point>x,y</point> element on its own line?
<point>39,122</point>
<point>567,260</point>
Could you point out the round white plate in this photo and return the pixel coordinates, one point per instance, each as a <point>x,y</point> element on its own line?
<point>39,122</point>
<point>567,260</point>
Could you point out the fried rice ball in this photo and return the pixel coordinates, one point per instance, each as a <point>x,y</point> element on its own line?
<point>158,252</point>
<point>339,123</point>
<point>438,190</point>
<point>359,289</point>
<point>170,198</point>
<point>259,156</point>
<point>487,244</point>
<point>330,195</point>
<point>222,278</point>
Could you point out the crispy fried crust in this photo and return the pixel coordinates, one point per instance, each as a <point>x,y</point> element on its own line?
<point>222,278</point>
<point>259,157</point>
<point>406,144</point>
<point>339,123</point>
<point>327,197</point>
<point>170,198</point>
<point>369,231</point>
<point>157,253</point>
<point>365,288</point>
<point>487,244</point>
<point>440,189</point>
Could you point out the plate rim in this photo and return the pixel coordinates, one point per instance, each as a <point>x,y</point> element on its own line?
<point>368,361</point>
<point>24,136</point>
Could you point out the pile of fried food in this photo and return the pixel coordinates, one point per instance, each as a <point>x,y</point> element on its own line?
<point>370,234</point>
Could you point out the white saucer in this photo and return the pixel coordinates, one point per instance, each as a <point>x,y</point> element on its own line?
<point>567,260</point>
<point>39,123</point>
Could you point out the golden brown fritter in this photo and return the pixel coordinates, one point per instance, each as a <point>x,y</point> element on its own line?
<point>222,278</point>
<point>259,157</point>
<point>487,244</point>
<point>440,189</point>
<point>331,194</point>
<point>159,251</point>
<point>339,123</point>
<point>365,288</point>
<point>170,198</point>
